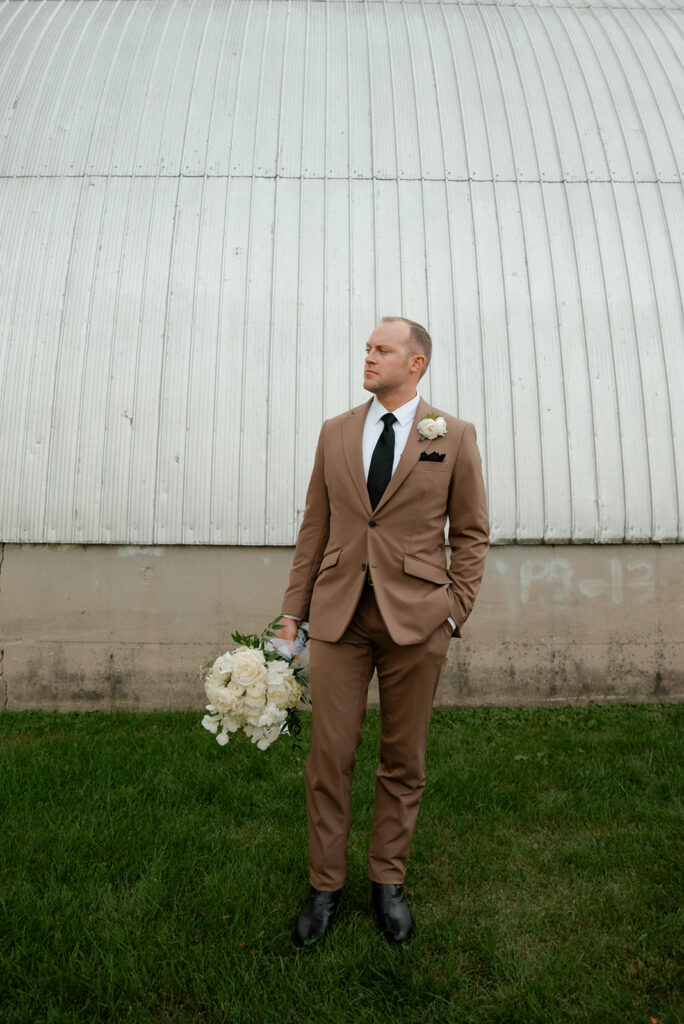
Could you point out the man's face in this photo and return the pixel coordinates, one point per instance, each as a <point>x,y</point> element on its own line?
<point>388,358</point>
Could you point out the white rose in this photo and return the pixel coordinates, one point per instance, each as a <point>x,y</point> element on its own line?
<point>234,694</point>
<point>283,690</point>
<point>223,664</point>
<point>213,691</point>
<point>431,429</point>
<point>214,677</point>
<point>428,428</point>
<point>247,666</point>
<point>277,668</point>
<point>219,674</point>
<point>280,696</point>
<point>223,698</point>
<point>255,695</point>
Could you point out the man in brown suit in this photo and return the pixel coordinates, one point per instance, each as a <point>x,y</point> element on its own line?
<point>370,575</point>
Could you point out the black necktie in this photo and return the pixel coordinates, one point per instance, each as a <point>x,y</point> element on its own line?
<point>380,472</point>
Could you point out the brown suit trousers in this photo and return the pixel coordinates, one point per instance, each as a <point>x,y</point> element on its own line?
<point>340,674</point>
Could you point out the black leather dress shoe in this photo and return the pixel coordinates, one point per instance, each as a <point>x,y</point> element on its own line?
<point>392,912</point>
<point>315,917</point>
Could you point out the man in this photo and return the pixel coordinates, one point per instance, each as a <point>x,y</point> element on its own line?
<point>370,575</point>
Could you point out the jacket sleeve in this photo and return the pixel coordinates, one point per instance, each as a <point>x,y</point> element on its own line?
<point>311,541</point>
<point>468,528</point>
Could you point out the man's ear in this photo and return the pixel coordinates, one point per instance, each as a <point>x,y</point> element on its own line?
<point>417,363</point>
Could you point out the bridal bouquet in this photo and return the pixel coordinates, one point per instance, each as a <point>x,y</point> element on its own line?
<point>255,688</point>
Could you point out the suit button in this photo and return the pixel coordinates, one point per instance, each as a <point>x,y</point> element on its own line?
<point>364,567</point>
<point>372,523</point>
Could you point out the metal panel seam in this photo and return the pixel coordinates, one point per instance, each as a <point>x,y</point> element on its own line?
<point>654,98</point>
<point>248,278</point>
<point>67,288</point>
<point>535,342</point>
<point>396,159</point>
<point>212,469</point>
<point>350,248</point>
<point>650,263</point>
<point>618,223</point>
<point>666,41</point>
<point>502,282</point>
<point>564,381</point>
<point>422,169</point>
<point>143,293</point>
<point>444,179</point>
<point>167,301</point>
<point>294,177</point>
<point>195,289</point>
<point>274,250</point>
<point>600,257</point>
<point>28,66</point>
<point>95,267</point>
<point>372,159</point>
<point>485,440</point>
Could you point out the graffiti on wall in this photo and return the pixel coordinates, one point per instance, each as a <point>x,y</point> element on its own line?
<point>555,580</point>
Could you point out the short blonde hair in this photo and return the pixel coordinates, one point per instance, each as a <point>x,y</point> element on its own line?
<point>420,340</point>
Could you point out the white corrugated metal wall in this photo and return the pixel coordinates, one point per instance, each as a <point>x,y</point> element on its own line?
<point>206,206</point>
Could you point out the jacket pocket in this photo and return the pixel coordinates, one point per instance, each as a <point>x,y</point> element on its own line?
<point>329,559</point>
<point>415,566</point>
<point>428,466</point>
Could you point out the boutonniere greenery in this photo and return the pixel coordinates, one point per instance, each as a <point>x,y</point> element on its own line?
<point>431,427</point>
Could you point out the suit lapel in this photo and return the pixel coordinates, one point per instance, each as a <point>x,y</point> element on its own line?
<point>409,456</point>
<point>352,443</point>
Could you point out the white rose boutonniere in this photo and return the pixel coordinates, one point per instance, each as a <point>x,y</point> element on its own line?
<point>431,427</point>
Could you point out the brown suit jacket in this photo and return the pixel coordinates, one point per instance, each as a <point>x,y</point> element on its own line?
<point>401,542</point>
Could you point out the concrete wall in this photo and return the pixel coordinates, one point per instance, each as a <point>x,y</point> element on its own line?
<point>85,627</point>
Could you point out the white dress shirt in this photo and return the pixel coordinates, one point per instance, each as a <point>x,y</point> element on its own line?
<point>374,426</point>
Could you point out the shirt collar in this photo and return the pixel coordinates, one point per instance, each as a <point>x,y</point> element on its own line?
<point>404,414</point>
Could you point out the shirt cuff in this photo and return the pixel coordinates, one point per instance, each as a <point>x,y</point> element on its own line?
<point>284,615</point>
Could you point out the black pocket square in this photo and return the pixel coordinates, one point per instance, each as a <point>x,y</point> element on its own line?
<point>432,457</point>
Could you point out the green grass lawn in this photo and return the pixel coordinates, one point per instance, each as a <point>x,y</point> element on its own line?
<point>148,875</point>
